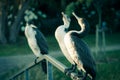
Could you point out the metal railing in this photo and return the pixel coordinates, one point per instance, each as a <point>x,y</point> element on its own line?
<point>50,62</point>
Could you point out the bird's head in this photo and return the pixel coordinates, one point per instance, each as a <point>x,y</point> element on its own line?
<point>65,19</point>
<point>81,21</point>
<point>30,30</point>
<point>27,24</point>
<point>30,25</point>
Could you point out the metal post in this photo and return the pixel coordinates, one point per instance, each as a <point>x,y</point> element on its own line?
<point>50,62</point>
<point>26,74</point>
<point>49,71</point>
<point>97,38</point>
<point>103,41</point>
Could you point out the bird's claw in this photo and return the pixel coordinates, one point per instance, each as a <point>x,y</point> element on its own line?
<point>80,74</point>
<point>36,60</point>
<point>68,71</point>
<point>78,77</point>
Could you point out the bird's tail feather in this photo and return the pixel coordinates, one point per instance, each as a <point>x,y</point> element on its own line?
<point>44,66</point>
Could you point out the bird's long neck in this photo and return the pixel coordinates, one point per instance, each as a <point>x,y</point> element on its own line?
<point>67,24</point>
<point>83,25</point>
<point>83,31</point>
<point>66,21</point>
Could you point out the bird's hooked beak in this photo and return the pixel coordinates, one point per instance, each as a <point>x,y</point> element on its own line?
<point>78,18</point>
<point>65,17</point>
<point>27,24</point>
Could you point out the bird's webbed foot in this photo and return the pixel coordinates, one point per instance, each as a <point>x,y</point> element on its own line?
<point>82,75</point>
<point>85,76</point>
<point>70,70</point>
<point>36,60</point>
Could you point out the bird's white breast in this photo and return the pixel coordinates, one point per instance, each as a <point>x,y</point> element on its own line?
<point>70,45</point>
<point>30,34</point>
<point>59,34</point>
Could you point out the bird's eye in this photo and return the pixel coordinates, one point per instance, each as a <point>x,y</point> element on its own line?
<point>66,30</point>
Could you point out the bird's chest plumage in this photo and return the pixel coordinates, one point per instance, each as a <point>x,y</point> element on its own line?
<point>32,42</point>
<point>30,34</point>
<point>60,34</point>
<point>71,47</point>
<point>69,44</point>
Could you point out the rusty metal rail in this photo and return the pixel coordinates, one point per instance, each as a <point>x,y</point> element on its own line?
<point>50,62</point>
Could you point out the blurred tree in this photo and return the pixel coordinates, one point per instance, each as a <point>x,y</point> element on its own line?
<point>74,4</point>
<point>3,16</point>
<point>98,4</point>
<point>14,30</point>
<point>94,10</point>
<point>11,13</point>
<point>3,21</point>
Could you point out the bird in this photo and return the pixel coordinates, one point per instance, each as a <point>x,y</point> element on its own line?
<point>74,48</point>
<point>79,50</point>
<point>37,43</point>
<point>60,32</point>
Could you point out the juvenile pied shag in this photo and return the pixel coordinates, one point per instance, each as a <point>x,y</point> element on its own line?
<point>37,43</point>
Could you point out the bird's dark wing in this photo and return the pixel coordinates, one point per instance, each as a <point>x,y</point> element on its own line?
<point>41,41</point>
<point>83,52</point>
<point>84,55</point>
